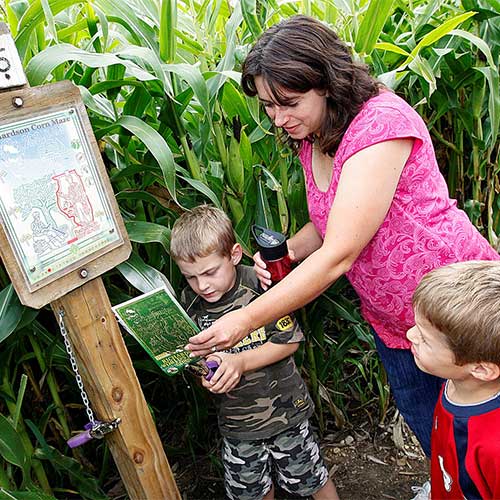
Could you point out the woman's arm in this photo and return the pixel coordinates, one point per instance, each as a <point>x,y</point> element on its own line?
<point>364,195</point>
<point>233,366</point>
<point>304,242</point>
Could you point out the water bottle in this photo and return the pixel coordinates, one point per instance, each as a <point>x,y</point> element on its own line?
<point>274,251</point>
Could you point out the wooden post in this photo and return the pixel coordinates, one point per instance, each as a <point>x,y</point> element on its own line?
<point>113,389</point>
<point>103,360</point>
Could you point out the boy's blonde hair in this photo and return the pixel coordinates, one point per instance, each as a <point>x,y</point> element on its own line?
<point>462,301</point>
<point>200,232</point>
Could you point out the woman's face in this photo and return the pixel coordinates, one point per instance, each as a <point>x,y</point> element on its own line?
<point>302,117</point>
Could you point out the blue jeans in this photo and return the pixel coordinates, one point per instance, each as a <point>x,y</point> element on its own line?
<point>415,392</point>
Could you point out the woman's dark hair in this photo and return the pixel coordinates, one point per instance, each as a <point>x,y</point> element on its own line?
<point>300,54</point>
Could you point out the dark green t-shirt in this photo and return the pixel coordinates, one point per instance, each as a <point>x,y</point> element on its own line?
<point>266,401</point>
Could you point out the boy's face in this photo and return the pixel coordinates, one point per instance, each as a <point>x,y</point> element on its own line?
<point>431,352</point>
<point>212,276</point>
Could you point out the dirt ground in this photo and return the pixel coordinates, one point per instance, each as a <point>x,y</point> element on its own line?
<point>365,464</point>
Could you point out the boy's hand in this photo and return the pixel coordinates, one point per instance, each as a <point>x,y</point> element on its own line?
<point>227,375</point>
<point>260,268</point>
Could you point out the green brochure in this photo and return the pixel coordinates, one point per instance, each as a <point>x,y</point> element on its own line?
<point>161,326</point>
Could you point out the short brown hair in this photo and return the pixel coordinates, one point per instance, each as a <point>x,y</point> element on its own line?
<point>200,232</point>
<point>462,301</point>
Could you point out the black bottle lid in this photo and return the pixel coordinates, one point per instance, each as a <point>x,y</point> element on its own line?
<point>272,245</point>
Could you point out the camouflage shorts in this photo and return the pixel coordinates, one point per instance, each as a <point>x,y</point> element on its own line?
<point>292,458</point>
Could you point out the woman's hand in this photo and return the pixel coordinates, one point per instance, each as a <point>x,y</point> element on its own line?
<point>223,334</point>
<point>260,268</point>
<point>227,376</point>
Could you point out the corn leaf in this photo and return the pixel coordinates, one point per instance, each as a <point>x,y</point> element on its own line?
<point>390,47</point>
<point>11,446</point>
<point>371,25</point>
<point>203,189</point>
<point>148,60</point>
<point>249,10</point>
<point>32,494</point>
<point>263,214</point>
<point>148,232</point>
<point>11,311</point>
<point>33,16</point>
<point>142,276</point>
<point>438,33</point>
<point>192,75</point>
<point>157,147</point>
<point>492,78</point>
<point>136,27</point>
<point>275,186</point>
<point>44,62</point>
<point>166,35</point>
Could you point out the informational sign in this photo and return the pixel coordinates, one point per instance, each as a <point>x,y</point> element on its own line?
<point>60,223</point>
<point>52,203</point>
<point>161,326</point>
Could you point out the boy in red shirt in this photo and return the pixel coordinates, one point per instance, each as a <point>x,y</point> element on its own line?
<point>457,337</point>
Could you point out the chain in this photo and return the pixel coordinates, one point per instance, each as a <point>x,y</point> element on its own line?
<point>74,367</point>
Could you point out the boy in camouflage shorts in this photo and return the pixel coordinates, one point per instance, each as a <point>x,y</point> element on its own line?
<point>262,402</point>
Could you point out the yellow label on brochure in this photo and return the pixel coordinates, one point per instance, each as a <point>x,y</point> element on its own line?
<point>285,323</point>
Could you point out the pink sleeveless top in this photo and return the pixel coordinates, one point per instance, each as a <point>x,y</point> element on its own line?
<point>423,229</point>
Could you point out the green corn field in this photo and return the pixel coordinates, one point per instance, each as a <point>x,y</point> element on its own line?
<point>160,80</point>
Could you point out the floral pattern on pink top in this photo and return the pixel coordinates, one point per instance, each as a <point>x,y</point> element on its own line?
<point>423,229</point>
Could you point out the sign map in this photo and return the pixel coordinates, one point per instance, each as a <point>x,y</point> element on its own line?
<point>161,326</point>
<point>52,201</point>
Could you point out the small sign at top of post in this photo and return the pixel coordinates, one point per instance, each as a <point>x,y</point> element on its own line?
<point>11,69</point>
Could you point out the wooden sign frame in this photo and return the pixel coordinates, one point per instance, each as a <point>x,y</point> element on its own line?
<point>85,246</point>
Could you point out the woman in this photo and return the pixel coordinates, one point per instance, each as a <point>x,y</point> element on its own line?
<point>379,207</point>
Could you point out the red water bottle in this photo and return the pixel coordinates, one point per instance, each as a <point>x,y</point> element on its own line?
<point>274,251</point>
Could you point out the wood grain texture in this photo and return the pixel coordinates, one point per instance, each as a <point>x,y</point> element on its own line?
<point>114,391</point>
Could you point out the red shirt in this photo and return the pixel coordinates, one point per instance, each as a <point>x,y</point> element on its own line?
<point>465,450</point>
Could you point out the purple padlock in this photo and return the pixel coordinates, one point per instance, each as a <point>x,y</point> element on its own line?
<point>212,368</point>
<point>93,430</point>
<point>83,437</point>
